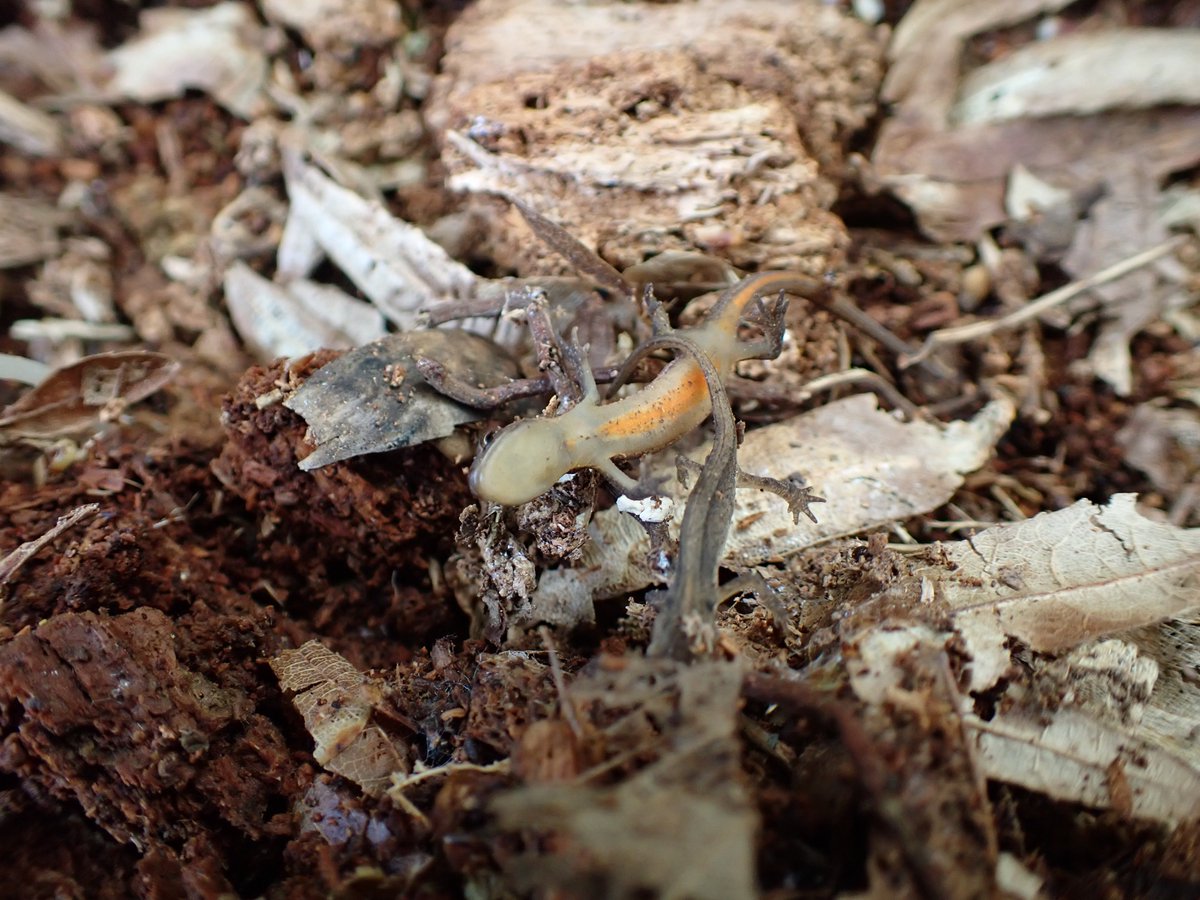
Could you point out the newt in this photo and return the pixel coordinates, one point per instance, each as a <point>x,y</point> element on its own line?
<point>528,457</point>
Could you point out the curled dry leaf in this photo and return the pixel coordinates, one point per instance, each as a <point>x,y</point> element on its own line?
<point>336,700</point>
<point>1083,73</point>
<point>392,262</point>
<point>374,398</point>
<point>871,468</point>
<point>928,40</point>
<point>95,389</point>
<point>298,317</point>
<point>28,129</point>
<point>219,50</point>
<point>954,177</point>
<point>1080,759</point>
<point>1064,578</point>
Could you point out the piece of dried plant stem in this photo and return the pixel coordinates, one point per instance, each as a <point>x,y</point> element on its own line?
<point>871,380</point>
<point>13,561</point>
<point>961,334</point>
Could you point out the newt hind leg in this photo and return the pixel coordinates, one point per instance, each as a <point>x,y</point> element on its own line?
<point>798,496</point>
<point>793,491</point>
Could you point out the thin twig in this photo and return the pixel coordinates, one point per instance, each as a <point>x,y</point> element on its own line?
<point>566,245</point>
<point>867,378</point>
<point>959,704</point>
<point>560,683</point>
<point>22,369</point>
<point>13,561</point>
<point>401,782</point>
<point>961,334</point>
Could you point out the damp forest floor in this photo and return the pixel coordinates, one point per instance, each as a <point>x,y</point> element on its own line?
<point>225,674</point>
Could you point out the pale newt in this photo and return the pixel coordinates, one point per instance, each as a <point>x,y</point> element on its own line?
<point>528,457</point>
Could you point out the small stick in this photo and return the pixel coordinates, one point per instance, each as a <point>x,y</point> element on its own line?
<point>560,683</point>
<point>947,337</point>
<point>867,378</point>
<point>569,248</point>
<point>13,561</point>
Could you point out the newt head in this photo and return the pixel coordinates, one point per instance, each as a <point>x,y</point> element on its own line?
<point>525,460</point>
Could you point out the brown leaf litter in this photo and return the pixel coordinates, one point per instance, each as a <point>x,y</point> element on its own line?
<point>245,652</point>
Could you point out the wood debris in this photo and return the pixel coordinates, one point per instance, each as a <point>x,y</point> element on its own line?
<point>272,273</point>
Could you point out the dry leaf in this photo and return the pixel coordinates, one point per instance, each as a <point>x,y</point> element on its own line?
<point>927,43</point>
<point>336,700</point>
<point>1084,729</point>
<point>374,399</point>
<point>1126,219</point>
<point>1064,578</point>
<point>1163,443</point>
<point>1029,196</point>
<point>1079,759</point>
<point>1083,73</point>
<point>1109,679</point>
<point>877,665</point>
<point>392,262</point>
<point>872,469</point>
<point>298,317</point>
<point>331,695</point>
<point>95,389</point>
<point>954,177</point>
<point>1172,712</point>
<point>219,50</point>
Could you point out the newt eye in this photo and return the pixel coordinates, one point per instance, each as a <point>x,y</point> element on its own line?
<point>488,436</point>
